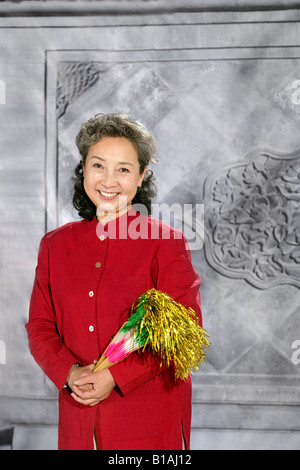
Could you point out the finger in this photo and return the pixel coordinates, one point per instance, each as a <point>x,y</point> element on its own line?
<point>85,379</point>
<point>96,403</point>
<point>85,394</point>
<point>90,402</point>
<point>86,388</point>
<point>87,369</point>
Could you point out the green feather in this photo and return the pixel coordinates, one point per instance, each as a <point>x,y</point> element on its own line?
<point>134,322</point>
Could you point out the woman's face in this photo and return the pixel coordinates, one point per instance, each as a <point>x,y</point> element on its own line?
<point>112,176</point>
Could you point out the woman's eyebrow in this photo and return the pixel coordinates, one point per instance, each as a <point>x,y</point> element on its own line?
<point>103,160</point>
<point>99,158</point>
<point>125,163</point>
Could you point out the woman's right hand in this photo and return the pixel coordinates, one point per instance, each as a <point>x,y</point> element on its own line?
<point>77,372</point>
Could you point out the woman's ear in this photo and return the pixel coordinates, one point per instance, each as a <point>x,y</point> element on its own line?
<point>142,176</point>
<point>83,167</point>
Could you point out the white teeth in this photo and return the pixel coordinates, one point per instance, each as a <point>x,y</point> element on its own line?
<point>108,194</point>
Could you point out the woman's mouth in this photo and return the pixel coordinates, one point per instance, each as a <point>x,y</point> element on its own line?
<point>107,196</point>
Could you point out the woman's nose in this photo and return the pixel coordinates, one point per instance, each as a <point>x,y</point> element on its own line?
<point>108,179</point>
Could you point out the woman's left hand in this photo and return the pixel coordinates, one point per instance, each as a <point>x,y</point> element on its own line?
<point>102,382</point>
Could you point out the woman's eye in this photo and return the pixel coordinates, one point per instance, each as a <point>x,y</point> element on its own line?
<point>124,170</point>
<point>97,165</point>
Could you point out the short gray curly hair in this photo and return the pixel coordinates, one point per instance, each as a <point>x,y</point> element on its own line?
<point>114,125</point>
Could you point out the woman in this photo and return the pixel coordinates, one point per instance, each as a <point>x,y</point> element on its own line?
<point>88,275</point>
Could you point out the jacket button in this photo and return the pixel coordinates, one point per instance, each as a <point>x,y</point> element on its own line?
<point>91,328</point>
<point>91,293</point>
<point>98,264</point>
<point>102,238</point>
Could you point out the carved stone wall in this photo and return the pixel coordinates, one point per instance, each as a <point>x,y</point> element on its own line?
<point>220,91</point>
<point>253,226</point>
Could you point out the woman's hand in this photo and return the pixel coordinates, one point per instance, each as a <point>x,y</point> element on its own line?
<point>78,372</point>
<point>91,388</point>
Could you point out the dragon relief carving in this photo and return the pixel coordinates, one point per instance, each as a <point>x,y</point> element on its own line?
<point>253,220</point>
<point>73,79</point>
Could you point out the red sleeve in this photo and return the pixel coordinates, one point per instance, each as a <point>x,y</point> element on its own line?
<point>174,275</point>
<point>45,344</point>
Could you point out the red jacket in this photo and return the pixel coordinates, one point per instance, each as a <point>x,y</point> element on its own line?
<point>83,290</point>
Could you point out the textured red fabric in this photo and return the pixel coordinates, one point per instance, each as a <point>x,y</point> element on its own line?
<point>82,294</point>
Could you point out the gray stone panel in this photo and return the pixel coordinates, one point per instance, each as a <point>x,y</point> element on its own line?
<point>221,92</point>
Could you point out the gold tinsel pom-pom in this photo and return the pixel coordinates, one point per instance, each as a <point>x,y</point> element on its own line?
<point>173,331</point>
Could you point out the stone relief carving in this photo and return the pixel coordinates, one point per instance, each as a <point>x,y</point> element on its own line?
<point>253,220</point>
<point>73,79</point>
<point>288,98</point>
<point>252,208</point>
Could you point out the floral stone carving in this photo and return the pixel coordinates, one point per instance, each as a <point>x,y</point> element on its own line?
<point>253,220</point>
<point>73,79</point>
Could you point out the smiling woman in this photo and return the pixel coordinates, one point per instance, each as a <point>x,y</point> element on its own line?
<point>86,282</point>
<point>112,176</point>
<point>133,148</point>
